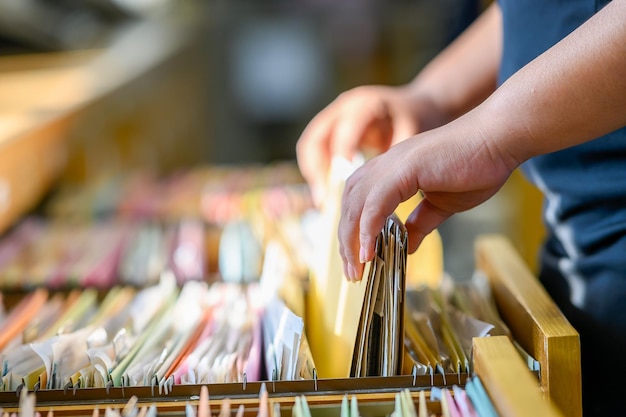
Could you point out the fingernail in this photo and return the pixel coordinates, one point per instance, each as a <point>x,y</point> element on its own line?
<point>345,272</point>
<point>352,273</point>
<point>362,256</point>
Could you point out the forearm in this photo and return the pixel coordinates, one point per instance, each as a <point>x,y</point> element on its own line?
<point>574,92</point>
<point>462,75</point>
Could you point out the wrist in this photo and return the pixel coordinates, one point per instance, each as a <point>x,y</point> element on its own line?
<point>503,131</point>
<point>424,106</point>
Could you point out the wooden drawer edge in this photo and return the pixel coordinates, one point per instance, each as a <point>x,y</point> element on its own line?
<point>511,387</point>
<point>535,320</point>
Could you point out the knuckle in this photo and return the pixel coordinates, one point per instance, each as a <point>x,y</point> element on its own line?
<point>350,217</point>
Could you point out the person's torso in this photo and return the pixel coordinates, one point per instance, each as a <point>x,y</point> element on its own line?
<point>584,186</point>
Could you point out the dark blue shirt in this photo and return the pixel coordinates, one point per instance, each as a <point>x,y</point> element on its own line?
<point>584,186</point>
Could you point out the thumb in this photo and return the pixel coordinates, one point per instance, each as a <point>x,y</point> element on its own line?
<point>423,219</point>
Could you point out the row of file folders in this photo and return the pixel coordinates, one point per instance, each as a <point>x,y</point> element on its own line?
<point>193,332</point>
<point>155,336</point>
<point>187,331</point>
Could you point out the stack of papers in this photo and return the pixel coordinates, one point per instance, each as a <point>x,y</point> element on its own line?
<point>378,350</point>
<point>157,336</point>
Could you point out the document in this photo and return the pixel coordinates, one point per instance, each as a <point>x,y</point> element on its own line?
<point>379,347</point>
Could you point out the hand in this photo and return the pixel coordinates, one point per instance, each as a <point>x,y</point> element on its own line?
<point>454,166</point>
<point>369,118</point>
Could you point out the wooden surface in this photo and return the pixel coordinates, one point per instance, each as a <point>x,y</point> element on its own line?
<point>511,387</point>
<point>73,115</point>
<point>37,93</point>
<point>535,321</point>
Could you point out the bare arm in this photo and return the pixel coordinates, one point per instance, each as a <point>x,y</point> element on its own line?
<point>574,92</point>
<point>375,117</point>
<point>465,73</point>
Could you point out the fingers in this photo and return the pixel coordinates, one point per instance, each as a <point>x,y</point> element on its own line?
<point>423,220</point>
<point>364,217</point>
<point>348,232</point>
<point>367,201</point>
<point>356,121</point>
<point>326,138</point>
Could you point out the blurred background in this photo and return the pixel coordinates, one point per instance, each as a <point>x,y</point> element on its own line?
<point>120,85</point>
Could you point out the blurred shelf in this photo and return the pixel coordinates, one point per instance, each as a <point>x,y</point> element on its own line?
<point>50,100</point>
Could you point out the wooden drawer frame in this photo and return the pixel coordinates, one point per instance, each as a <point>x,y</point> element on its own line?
<point>535,321</point>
